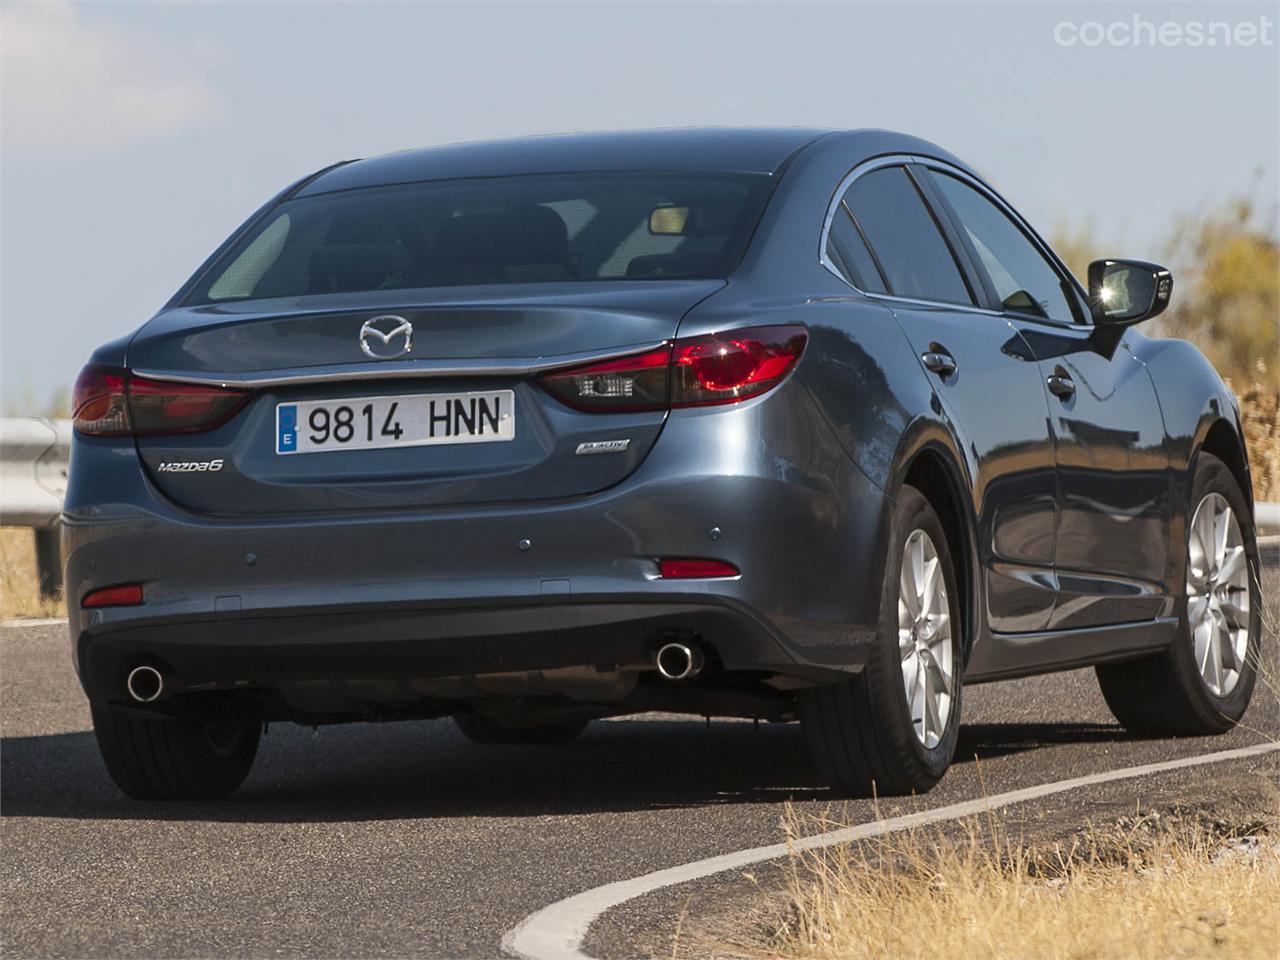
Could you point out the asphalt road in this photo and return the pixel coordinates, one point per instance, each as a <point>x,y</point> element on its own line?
<point>406,840</point>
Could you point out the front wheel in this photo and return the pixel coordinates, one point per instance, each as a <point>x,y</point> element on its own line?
<point>1203,682</point>
<point>892,729</point>
<point>203,752</point>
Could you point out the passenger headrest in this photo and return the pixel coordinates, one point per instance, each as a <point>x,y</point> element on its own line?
<point>469,240</point>
<point>524,234</point>
<point>536,234</point>
<point>338,267</point>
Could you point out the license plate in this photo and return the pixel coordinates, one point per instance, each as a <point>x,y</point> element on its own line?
<point>410,420</point>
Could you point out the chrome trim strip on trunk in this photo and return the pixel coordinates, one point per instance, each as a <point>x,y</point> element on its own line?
<point>400,369</point>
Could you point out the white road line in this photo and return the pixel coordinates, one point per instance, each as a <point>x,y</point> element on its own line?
<point>556,932</point>
<point>47,622</point>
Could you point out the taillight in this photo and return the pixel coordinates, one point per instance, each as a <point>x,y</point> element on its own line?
<point>641,382</point>
<point>728,367</point>
<point>691,372</point>
<point>157,406</point>
<point>110,402</point>
<point>98,403</point>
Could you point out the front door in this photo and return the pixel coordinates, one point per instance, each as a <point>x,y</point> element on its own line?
<point>1113,529</point>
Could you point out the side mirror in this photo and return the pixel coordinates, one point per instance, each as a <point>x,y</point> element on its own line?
<point>1125,292</point>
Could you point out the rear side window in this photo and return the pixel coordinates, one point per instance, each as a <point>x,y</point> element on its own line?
<point>916,260</point>
<point>1025,281</point>
<point>521,229</point>
<point>848,252</point>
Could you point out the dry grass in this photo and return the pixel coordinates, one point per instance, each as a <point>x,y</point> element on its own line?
<point>1148,888</point>
<point>1260,411</point>
<point>19,585</point>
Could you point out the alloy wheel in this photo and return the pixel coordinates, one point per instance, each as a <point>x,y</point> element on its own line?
<point>924,639</point>
<point>1218,594</point>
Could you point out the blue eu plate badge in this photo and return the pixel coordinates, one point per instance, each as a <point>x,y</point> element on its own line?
<point>286,428</point>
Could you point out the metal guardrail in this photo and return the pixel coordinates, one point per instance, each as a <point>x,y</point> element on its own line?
<point>33,470</point>
<point>1267,517</point>
<point>33,479</point>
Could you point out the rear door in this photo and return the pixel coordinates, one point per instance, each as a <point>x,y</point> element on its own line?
<point>1112,540</point>
<point>328,394</point>
<point>984,376</point>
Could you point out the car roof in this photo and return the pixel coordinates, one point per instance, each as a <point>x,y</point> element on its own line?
<point>703,149</point>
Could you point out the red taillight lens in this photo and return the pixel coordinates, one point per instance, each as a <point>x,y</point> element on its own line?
<point>157,407</point>
<point>692,372</point>
<point>688,569</point>
<point>111,402</point>
<point>125,595</point>
<point>98,403</point>
<point>728,367</point>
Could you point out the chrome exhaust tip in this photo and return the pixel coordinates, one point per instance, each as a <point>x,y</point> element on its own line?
<point>678,661</point>
<point>145,684</point>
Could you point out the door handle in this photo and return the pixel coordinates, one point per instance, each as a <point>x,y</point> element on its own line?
<point>1061,386</point>
<point>939,362</point>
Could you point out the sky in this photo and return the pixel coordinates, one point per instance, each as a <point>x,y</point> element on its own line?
<point>135,136</point>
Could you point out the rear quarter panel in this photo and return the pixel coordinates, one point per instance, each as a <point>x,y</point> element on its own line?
<point>866,383</point>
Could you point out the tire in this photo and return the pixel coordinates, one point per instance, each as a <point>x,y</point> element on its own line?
<point>860,732</point>
<point>202,753</point>
<point>1167,695</point>
<point>480,729</point>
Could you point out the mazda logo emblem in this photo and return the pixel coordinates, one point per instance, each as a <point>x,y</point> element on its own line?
<point>376,337</point>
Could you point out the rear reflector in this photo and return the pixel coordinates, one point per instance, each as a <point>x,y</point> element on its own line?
<point>125,595</point>
<point>695,569</point>
<point>112,402</point>
<point>691,372</point>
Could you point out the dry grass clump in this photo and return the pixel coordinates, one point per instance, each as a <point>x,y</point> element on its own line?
<point>1149,887</point>
<point>1260,411</point>
<point>19,582</point>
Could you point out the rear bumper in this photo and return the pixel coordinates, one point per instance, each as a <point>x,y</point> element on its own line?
<point>451,592</point>
<point>362,648</point>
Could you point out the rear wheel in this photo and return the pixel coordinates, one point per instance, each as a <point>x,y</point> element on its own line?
<point>1203,682</point>
<point>892,729</point>
<point>202,753</point>
<point>480,729</point>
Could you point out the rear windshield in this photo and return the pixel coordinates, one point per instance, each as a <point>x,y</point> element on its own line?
<point>526,229</point>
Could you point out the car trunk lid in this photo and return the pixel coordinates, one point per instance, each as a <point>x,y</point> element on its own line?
<point>468,346</point>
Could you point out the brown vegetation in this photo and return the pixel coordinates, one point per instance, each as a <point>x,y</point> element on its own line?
<point>19,585</point>
<point>1147,887</point>
<point>1226,285</point>
<point>1260,411</point>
